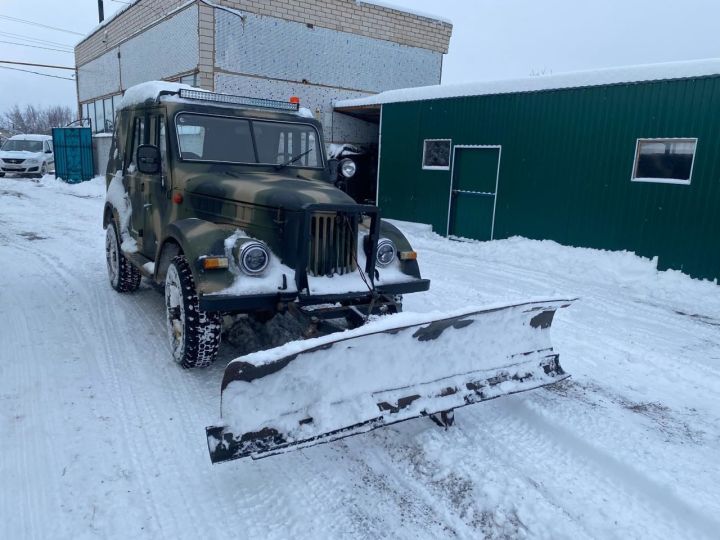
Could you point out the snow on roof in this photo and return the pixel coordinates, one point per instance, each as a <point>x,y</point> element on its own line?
<point>389,5</point>
<point>30,137</point>
<point>578,79</point>
<point>151,90</point>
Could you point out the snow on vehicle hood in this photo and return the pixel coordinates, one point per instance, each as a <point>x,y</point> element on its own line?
<point>21,154</point>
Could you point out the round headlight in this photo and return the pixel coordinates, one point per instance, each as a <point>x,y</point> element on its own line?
<point>385,252</point>
<point>348,168</point>
<point>254,258</point>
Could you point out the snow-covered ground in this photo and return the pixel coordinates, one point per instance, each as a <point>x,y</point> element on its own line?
<point>102,435</point>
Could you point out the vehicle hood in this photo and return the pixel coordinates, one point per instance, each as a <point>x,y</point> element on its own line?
<point>268,190</point>
<point>21,154</point>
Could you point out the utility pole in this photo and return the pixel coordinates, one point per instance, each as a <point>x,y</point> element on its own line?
<point>101,11</point>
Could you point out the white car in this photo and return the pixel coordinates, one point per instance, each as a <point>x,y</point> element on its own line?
<point>27,155</point>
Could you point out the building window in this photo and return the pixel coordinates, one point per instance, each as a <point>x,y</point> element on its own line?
<point>436,154</point>
<point>665,161</point>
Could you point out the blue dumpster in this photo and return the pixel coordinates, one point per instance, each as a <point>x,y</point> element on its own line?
<point>73,154</point>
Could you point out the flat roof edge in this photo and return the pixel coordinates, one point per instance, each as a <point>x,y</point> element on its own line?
<point>579,79</point>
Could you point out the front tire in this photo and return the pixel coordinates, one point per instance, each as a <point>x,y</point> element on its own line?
<point>124,277</point>
<point>43,171</point>
<point>194,334</point>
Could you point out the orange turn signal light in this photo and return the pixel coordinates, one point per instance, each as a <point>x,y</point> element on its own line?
<point>408,256</point>
<point>214,263</point>
<point>295,99</point>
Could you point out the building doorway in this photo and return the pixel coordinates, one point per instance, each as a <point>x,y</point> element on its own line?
<point>473,191</point>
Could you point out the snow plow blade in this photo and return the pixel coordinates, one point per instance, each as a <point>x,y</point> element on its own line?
<point>393,369</point>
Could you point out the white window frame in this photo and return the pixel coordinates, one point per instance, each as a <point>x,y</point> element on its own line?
<point>437,167</point>
<point>677,181</point>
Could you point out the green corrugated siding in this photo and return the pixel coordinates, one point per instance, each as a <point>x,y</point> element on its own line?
<point>567,159</point>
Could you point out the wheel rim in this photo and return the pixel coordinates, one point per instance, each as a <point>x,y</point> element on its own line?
<point>175,313</point>
<point>112,255</point>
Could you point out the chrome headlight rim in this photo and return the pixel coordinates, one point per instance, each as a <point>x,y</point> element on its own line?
<point>246,251</point>
<point>350,165</point>
<point>384,242</point>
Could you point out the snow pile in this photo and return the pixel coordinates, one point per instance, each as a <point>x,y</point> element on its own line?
<point>578,79</point>
<point>270,282</point>
<point>92,189</point>
<point>118,197</point>
<point>151,90</point>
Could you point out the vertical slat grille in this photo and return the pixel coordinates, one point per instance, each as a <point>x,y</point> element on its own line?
<point>333,243</point>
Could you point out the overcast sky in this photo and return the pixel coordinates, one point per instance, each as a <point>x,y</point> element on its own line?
<point>492,39</point>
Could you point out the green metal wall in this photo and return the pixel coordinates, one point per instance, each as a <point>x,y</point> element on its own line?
<point>567,160</point>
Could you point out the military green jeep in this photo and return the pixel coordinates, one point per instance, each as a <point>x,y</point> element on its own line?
<point>229,203</point>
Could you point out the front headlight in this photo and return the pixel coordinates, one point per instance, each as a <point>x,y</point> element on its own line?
<point>348,168</point>
<point>253,258</point>
<point>385,252</point>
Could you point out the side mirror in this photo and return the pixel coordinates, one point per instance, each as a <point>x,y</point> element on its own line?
<point>148,159</point>
<point>48,151</point>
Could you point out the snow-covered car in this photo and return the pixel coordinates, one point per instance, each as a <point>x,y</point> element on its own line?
<point>27,155</point>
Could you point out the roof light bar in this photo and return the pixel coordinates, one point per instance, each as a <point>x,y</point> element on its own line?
<point>238,100</point>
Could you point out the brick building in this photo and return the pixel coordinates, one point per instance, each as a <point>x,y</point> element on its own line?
<point>319,50</point>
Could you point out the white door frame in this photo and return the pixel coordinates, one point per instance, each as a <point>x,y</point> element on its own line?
<point>452,177</point>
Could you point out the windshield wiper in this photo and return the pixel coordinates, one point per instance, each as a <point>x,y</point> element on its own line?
<point>292,160</point>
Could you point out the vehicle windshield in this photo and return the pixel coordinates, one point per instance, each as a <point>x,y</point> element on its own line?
<point>19,145</point>
<point>240,140</point>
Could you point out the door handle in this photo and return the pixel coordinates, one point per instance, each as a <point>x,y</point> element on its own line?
<point>146,206</point>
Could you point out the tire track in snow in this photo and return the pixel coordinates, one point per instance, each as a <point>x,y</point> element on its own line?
<point>609,473</point>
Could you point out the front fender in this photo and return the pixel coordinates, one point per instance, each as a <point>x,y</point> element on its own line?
<point>391,232</point>
<point>195,238</point>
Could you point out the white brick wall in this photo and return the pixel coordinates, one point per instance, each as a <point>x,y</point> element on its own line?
<point>290,51</point>
<point>99,77</point>
<point>344,15</point>
<point>166,49</point>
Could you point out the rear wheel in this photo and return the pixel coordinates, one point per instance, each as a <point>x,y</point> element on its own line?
<point>124,277</point>
<point>194,335</point>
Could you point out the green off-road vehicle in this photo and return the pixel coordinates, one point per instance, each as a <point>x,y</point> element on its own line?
<point>229,203</point>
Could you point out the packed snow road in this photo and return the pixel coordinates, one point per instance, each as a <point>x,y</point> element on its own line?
<point>102,435</point>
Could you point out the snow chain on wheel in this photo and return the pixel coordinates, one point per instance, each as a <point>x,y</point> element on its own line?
<point>194,335</point>
<point>124,277</point>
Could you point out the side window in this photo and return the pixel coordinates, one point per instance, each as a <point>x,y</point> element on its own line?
<point>138,138</point>
<point>159,138</point>
<point>664,161</point>
<point>436,154</point>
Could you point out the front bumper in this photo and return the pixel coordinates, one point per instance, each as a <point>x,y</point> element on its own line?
<point>276,301</point>
<point>19,169</point>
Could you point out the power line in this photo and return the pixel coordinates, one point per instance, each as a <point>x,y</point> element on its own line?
<point>37,73</point>
<point>34,46</point>
<point>32,23</point>
<point>36,65</point>
<point>36,40</point>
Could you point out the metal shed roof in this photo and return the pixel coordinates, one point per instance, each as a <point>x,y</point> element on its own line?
<point>578,79</point>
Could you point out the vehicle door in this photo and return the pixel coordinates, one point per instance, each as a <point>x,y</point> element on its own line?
<point>49,155</point>
<point>157,186</point>
<point>138,135</point>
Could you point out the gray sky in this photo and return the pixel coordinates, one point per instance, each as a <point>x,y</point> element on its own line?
<point>492,39</point>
